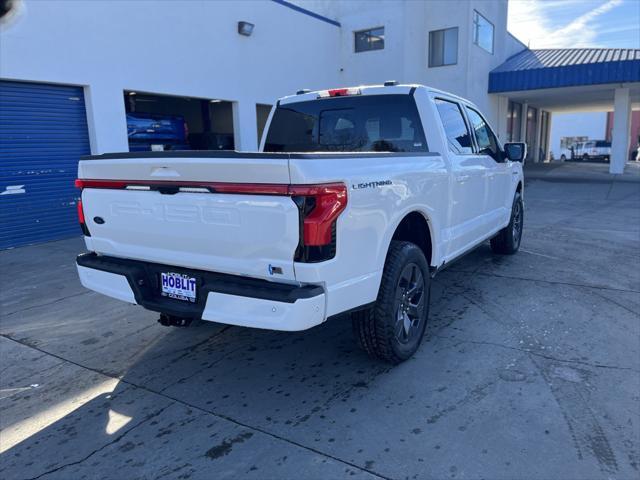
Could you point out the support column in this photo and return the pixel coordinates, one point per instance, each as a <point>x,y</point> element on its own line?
<point>106,119</point>
<point>503,112</point>
<point>245,130</point>
<point>537,136</point>
<point>621,129</point>
<point>523,123</point>
<point>547,147</point>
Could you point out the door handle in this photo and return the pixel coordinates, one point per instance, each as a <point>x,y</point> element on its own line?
<point>462,178</point>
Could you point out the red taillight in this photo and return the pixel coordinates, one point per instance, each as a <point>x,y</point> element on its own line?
<point>83,223</point>
<point>82,183</point>
<point>80,212</point>
<point>249,188</point>
<point>329,201</point>
<point>339,92</point>
<point>323,203</point>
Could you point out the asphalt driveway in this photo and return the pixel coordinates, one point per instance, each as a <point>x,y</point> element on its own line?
<point>530,369</point>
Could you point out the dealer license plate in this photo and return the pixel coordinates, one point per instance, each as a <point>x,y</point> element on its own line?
<point>178,286</point>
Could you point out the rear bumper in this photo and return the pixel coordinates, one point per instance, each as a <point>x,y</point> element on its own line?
<point>222,298</point>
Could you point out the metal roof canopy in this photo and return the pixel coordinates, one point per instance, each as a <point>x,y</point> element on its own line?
<point>568,79</point>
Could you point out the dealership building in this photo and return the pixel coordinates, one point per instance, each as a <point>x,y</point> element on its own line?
<point>101,76</point>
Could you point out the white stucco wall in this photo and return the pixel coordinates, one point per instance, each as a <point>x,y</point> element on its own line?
<point>405,56</point>
<point>192,48</point>
<point>168,47</point>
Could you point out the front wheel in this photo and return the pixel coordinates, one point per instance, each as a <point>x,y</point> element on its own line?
<point>393,328</point>
<point>507,241</point>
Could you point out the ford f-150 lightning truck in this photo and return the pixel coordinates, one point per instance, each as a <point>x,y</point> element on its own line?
<point>357,197</point>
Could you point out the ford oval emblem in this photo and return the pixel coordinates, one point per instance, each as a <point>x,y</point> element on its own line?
<point>98,220</point>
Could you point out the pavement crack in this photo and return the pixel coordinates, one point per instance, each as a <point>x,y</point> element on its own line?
<point>538,354</point>
<point>48,303</point>
<point>539,280</point>
<point>610,300</point>
<point>108,444</point>
<point>199,370</point>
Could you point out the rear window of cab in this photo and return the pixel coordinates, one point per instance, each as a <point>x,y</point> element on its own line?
<point>367,123</point>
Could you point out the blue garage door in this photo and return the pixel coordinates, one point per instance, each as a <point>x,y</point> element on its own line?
<point>43,133</point>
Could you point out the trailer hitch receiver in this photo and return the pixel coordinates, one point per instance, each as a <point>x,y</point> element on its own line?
<point>173,321</point>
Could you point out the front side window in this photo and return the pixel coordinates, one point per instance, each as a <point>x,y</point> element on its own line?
<point>485,139</point>
<point>482,32</point>
<point>367,123</point>
<point>443,47</point>
<point>372,39</point>
<point>455,128</point>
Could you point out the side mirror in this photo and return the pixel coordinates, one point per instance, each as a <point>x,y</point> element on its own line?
<point>516,151</point>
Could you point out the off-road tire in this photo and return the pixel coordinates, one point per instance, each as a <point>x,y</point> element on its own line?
<point>507,241</point>
<point>376,327</point>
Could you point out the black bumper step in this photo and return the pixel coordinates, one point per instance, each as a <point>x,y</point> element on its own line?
<point>144,280</point>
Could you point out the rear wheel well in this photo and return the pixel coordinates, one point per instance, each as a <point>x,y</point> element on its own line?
<point>519,187</point>
<point>415,229</point>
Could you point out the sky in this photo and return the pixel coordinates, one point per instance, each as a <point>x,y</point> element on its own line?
<point>576,23</point>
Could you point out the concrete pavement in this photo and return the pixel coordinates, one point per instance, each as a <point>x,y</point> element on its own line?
<point>588,172</point>
<point>530,369</point>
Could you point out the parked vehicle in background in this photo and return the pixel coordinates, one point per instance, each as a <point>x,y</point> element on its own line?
<point>592,150</point>
<point>566,153</point>
<point>358,197</point>
<point>150,131</point>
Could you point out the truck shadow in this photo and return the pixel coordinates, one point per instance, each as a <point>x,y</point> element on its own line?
<point>207,382</point>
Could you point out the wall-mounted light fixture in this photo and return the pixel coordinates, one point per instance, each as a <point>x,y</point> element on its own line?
<point>215,101</point>
<point>245,28</point>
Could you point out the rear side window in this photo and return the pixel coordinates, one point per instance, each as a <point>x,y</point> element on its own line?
<point>455,128</point>
<point>367,123</point>
<point>601,143</point>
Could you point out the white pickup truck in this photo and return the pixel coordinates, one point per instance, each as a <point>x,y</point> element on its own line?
<point>357,197</point>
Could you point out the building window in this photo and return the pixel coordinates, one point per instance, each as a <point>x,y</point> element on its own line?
<point>371,39</point>
<point>482,32</point>
<point>443,47</point>
<point>514,121</point>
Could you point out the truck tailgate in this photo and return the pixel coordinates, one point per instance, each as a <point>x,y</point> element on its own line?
<point>167,210</point>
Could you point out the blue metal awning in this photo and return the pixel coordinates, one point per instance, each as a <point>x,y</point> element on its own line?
<point>565,67</point>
